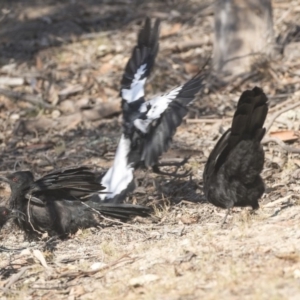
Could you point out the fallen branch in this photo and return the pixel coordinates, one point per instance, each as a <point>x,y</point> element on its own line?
<point>29,219</point>
<point>185,46</point>
<point>282,104</point>
<point>65,123</point>
<point>4,249</point>
<point>236,81</point>
<point>11,81</point>
<point>280,112</point>
<point>80,273</point>
<point>35,100</point>
<point>279,142</point>
<point>14,278</point>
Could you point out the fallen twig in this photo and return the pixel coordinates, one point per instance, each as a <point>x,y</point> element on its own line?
<point>14,278</point>
<point>238,80</point>
<point>207,121</point>
<point>279,142</point>
<point>4,249</point>
<point>280,112</point>
<point>29,221</point>
<point>282,104</point>
<point>185,46</point>
<point>35,100</point>
<point>11,81</point>
<point>81,273</point>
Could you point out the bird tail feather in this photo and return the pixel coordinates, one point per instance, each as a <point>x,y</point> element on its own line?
<point>249,117</point>
<point>120,210</point>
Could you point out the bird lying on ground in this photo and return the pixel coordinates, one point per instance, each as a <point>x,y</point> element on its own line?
<point>232,173</point>
<point>148,126</point>
<point>59,203</point>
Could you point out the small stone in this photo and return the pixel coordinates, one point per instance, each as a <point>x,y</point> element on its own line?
<point>14,116</point>
<point>297,274</point>
<point>142,280</point>
<point>98,265</point>
<point>55,114</point>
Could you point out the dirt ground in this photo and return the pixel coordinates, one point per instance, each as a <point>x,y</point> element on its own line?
<point>61,64</point>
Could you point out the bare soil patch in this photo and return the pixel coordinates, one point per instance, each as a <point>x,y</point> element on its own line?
<point>61,64</point>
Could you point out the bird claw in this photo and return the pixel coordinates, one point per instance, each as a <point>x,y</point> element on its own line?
<point>225,218</point>
<point>174,174</point>
<point>174,164</point>
<point>187,173</point>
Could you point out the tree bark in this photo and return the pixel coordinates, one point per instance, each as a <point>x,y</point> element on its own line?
<point>243,32</point>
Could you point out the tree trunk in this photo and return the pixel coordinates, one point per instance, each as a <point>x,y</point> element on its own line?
<point>243,31</point>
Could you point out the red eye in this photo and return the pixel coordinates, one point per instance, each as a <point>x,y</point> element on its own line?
<point>4,212</point>
<point>15,179</point>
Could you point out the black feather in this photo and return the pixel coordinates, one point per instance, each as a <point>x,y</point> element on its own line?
<point>161,132</point>
<point>232,173</point>
<point>143,53</point>
<point>66,184</point>
<point>51,204</point>
<point>148,126</point>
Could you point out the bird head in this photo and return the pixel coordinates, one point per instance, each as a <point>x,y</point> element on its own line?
<point>18,180</point>
<point>6,214</point>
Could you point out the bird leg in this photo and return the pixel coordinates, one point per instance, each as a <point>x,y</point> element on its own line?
<point>156,168</point>
<point>174,163</point>
<point>224,220</point>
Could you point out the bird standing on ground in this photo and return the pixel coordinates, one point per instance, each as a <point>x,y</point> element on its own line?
<point>232,173</point>
<point>148,126</point>
<point>59,203</point>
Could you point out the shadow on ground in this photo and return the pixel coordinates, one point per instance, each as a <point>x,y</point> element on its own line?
<point>30,26</point>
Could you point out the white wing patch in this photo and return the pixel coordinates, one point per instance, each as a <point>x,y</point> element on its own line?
<point>118,177</point>
<point>158,105</point>
<point>136,90</point>
<point>142,125</point>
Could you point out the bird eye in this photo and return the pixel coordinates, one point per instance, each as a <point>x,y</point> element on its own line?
<point>15,179</point>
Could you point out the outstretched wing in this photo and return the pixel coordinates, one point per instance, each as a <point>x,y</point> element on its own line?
<point>214,157</point>
<point>136,72</point>
<point>164,116</point>
<point>66,184</point>
<point>140,63</point>
<point>119,178</point>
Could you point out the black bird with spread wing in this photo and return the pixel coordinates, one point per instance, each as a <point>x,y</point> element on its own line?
<point>232,173</point>
<point>148,126</point>
<point>60,202</point>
